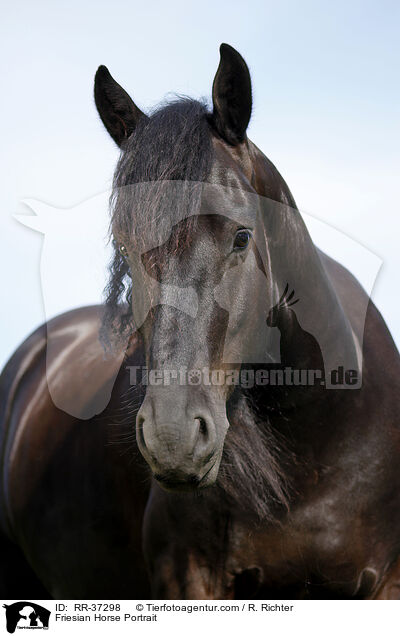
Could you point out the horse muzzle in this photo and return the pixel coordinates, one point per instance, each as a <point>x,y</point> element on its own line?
<point>182,442</point>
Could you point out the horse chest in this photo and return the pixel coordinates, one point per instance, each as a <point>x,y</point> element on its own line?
<point>314,554</point>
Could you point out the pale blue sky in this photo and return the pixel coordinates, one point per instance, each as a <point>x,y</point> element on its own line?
<point>326,112</point>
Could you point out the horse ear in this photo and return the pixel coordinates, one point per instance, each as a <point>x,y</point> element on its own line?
<point>117,110</point>
<point>231,94</point>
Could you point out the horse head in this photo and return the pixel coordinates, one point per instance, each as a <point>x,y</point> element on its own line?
<point>197,261</point>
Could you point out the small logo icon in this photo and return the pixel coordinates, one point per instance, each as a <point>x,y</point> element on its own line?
<point>26,615</point>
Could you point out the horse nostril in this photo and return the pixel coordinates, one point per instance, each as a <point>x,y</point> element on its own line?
<point>203,430</point>
<point>205,436</point>
<point>139,430</point>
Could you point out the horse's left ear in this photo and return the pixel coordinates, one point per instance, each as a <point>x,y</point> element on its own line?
<point>231,94</point>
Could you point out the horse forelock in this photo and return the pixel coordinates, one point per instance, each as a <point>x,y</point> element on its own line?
<point>173,145</point>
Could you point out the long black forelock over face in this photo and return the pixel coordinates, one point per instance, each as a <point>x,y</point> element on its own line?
<point>173,144</point>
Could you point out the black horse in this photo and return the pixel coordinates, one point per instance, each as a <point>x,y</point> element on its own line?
<point>226,489</point>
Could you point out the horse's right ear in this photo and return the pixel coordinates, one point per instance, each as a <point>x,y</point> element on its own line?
<point>117,110</point>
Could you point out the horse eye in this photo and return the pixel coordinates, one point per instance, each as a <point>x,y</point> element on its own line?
<point>123,251</point>
<point>242,239</point>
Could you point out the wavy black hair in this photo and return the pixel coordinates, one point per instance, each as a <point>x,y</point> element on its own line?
<point>173,144</point>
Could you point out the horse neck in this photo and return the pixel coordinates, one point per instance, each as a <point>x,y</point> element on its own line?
<point>266,179</point>
<point>293,260</point>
